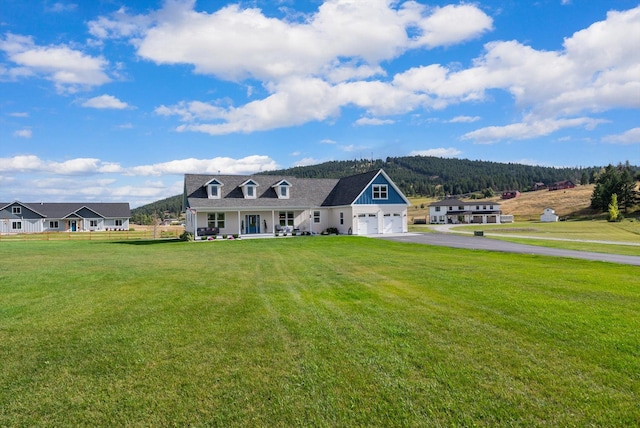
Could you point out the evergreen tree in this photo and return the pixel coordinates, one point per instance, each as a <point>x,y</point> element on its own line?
<point>614,212</point>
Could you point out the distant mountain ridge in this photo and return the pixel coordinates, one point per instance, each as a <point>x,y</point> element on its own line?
<point>415,176</point>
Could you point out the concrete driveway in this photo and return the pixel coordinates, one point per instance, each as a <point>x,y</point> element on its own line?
<point>483,243</point>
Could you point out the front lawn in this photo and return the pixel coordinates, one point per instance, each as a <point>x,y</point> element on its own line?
<point>313,331</point>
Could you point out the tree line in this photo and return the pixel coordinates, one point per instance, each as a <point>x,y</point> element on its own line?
<point>615,183</point>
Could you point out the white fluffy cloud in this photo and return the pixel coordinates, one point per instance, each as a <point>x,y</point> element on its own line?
<point>528,129</point>
<point>32,177</point>
<point>91,166</point>
<point>23,133</point>
<point>235,43</point>
<point>632,136</point>
<point>596,71</point>
<point>311,68</point>
<point>373,121</point>
<point>69,69</point>
<point>105,102</point>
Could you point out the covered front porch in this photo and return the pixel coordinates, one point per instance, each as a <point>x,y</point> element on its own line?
<point>249,223</point>
<point>469,217</point>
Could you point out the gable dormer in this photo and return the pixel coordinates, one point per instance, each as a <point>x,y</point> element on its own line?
<point>214,188</point>
<point>282,189</point>
<point>249,189</point>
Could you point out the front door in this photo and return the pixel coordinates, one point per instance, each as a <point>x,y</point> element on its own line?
<point>252,223</point>
<point>73,226</point>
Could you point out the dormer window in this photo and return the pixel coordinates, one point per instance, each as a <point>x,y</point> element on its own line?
<point>282,189</point>
<point>249,189</point>
<point>16,210</point>
<point>214,189</point>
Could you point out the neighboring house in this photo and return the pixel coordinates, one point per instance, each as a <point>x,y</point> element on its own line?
<point>455,211</point>
<point>510,194</point>
<point>566,184</point>
<point>21,217</point>
<point>363,204</point>
<point>538,186</point>
<point>548,215</point>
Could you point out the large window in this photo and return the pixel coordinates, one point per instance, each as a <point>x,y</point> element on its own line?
<point>286,218</point>
<point>380,191</point>
<point>93,223</point>
<point>215,220</point>
<point>118,222</point>
<point>53,225</point>
<point>16,225</point>
<point>316,216</point>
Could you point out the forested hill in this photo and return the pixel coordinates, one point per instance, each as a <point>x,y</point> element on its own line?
<point>416,176</point>
<point>433,176</point>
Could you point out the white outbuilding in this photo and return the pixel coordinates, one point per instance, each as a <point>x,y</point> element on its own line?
<point>549,215</point>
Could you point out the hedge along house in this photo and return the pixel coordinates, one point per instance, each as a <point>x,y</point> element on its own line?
<point>363,204</point>
<point>21,217</point>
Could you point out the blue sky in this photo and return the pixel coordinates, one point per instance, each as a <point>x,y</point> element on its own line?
<point>110,100</point>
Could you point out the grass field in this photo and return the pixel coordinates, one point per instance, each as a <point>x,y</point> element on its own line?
<point>313,331</point>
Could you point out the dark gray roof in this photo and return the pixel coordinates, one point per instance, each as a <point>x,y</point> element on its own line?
<point>349,188</point>
<point>63,209</point>
<point>304,192</point>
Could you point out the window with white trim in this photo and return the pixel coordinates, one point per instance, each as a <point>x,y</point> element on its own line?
<point>215,220</point>
<point>284,189</point>
<point>316,216</point>
<point>437,209</point>
<point>118,222</point>
<point>16,225</point>
<point>341,217</point>
<point>214,191</point>
<point>285,218</point>
<point>16,210</point>
<point>93,223</point>
<point>53,225</point>
<point>380,191</point>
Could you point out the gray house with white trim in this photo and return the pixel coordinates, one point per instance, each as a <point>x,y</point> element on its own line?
<point>363,204</point>
<point>22,217</point>
<point>455,211</point>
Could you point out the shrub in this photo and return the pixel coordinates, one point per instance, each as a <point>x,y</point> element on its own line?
<point>186,236</point>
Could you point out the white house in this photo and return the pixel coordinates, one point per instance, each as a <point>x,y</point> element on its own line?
<point>455,211</point>
<point>363,204</point>
<point>21,217</point>
<point>548,215</point>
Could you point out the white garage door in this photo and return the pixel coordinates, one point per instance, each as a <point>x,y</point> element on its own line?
<point>392,223</point>
<point>367,224</point>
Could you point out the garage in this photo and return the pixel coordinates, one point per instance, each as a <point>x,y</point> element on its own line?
<point>367,224</point>
<point>392,223</point>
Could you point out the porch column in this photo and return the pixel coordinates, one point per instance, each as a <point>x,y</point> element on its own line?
<point>239,224</point>
<point>273,221</point>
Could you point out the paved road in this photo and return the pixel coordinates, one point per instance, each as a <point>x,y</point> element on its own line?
<point>482,243</point>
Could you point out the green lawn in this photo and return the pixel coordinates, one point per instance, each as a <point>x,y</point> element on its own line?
<point>313,331</point>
